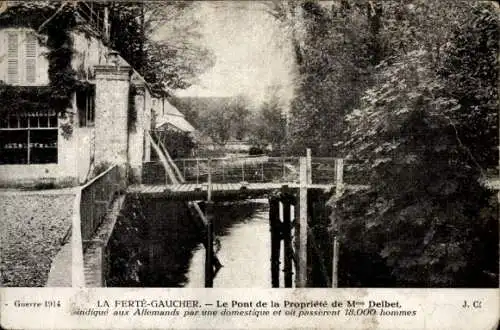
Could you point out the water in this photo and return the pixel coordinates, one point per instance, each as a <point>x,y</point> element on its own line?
<point>245,253</point>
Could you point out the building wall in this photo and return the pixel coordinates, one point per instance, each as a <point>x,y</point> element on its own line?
<point>74,152</point>
<point>111,120</point>
<point>139,130</point>
<point>109,141</point>
<point>88,52</point>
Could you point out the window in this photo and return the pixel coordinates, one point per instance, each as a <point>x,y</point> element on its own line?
<point>22,54</point>
<point>29,138</point>
<point>85,102</point>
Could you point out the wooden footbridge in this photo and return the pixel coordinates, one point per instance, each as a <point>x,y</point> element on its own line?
<point>302,184</point>
<point>243,177</point>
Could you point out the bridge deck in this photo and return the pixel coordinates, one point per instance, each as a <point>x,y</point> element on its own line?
<point>195,191</point>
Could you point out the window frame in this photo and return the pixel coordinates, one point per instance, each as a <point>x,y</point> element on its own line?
<point>22,60</point>
<point>29,129</point>
<point>86,111</point>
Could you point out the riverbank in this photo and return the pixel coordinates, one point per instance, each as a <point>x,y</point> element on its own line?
<point>154,240</point>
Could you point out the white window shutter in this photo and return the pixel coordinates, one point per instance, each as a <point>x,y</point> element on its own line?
<point>13,57</point>
<point>30,58</point>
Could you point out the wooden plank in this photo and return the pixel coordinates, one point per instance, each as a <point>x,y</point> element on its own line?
<point>275,225</point>
<point>309,166</point>
<point>339,177</point>
<point>335,263</point>
<point>287,238</point>
<point>339,190</point>
<point>301,280</point>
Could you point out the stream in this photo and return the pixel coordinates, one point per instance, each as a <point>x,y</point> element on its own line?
<point>245,252</point>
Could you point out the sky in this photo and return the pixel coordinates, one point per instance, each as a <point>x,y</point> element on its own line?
<point>251,52</point>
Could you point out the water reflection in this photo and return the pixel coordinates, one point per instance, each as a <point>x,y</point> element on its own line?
<point>245,247</point>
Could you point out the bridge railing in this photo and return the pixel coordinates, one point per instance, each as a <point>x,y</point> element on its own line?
<point>233,170</point>
<point>257,169</point>
<point>96,197</point>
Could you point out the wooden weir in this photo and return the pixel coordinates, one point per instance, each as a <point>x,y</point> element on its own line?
<point>292,229</point>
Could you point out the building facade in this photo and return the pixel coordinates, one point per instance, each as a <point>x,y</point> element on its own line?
<point>106,123</point>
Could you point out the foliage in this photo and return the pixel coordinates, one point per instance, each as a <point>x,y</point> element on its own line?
<point>171,62</point>
<point>240,117</point>
<point>225,119</point>
<point>179,144</point>
<point>57,21</point>
<point>127,252</point>
<point>17,99</point>
<point>61,74</point>
<point>270,125</point>
<point>426,136</point>
<point>333,48</point>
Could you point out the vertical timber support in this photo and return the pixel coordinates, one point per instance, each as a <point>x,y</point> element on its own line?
<point>209,247</point>
<point>301,276</point>
<point>339,190</point>
<point>287,237</point>
<point>309,166</point>
<point>275,227</point>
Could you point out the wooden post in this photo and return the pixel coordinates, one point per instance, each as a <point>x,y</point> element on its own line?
<point>197,171</point>
<point>106,23</point>
<point>339,177</point>
<point>184,168</point>
<point>283,161</point>
<point>29,147</point>
<point>209,186</point>
<point>275,224</point>
<point>335,262</point>
<point>209,247</point>
<point>262,167</point>
<point>296,242</point>
<point>309,166</point>
<point>223,170</point>
<point>301,279</point>
<point>339,189</point>
<point>243,170</point>
<point>287,237</point>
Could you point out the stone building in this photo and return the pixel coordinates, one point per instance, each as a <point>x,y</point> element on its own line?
<point>106,123</point>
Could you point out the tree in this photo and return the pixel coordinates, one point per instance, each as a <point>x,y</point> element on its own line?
<point>240,117</point>
<point>270,123</point>
<point>218,124</point>
<point>333,51</point>
<point>228,119</point>
<point>426,138</point>
<point>148,36</point>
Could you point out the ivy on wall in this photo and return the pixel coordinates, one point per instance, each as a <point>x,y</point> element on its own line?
<point>56,22</point>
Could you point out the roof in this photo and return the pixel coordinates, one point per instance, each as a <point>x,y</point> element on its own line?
<point>178,122</point>
<point>173,117</point>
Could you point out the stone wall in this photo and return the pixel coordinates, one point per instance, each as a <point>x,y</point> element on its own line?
<point>138,130</point>
<point>111,119</point>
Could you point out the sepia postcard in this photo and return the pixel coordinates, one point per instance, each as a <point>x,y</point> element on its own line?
<point>249,164</point>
